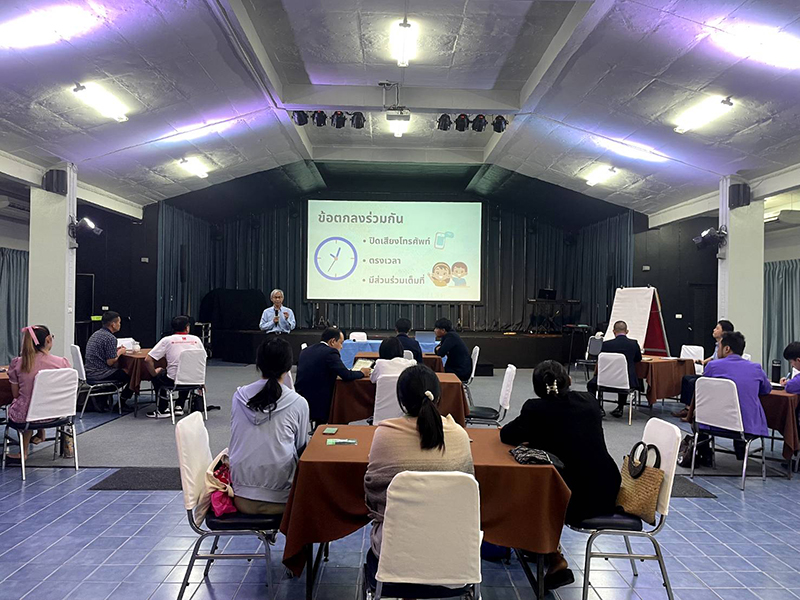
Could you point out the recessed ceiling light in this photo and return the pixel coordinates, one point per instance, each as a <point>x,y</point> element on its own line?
<point>103,101</point>
<point>403,41</point>
<point>48,26</point>
<point>764,44</point>
<point>703,113</point>
<point>599,174</point>
<point>193,166</point>
<point>632,149</point>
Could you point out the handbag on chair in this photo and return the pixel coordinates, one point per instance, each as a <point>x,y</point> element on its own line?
<point>641,484</point>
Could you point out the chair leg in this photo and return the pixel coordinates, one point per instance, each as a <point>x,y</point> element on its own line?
<point>476,591</point>
<point>55,443</point>
<point>85,401</point>
<point>190,566</point>
<point>74,444</point>
<point>587,566</point>
<point>205,406</point>
<point>772,441</point>
<point>267,556</point>
<point>763,461</point>
<point>694,454</point>
<point>744,462</point>
<point>713,443</point>
<point>663,567</point>
<point>172,407</point>
<point>630,551</point>
<point>630,410</point>
<point>211,560</point>
<point>22,448</point>
<point>5,446</point>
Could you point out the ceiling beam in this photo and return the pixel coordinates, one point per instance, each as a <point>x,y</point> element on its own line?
<point>397,155</point>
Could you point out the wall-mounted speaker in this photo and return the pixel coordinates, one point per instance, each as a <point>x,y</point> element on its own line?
<point>738,195</point>
<point>55,180</point>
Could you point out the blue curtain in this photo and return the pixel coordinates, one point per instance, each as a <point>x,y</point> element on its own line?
<point>184,264</point>
<point>13,301</point>
<point>781,309</point>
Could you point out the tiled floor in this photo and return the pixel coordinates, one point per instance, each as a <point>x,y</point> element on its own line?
<point>60,540</point>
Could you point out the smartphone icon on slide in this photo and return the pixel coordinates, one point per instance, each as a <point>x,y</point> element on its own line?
<point>441,238</point>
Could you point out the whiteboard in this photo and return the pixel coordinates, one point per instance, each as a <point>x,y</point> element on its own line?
<point>632,305</point>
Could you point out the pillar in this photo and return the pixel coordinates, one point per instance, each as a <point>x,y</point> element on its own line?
<point>741,269</point>
<point>51,263</point>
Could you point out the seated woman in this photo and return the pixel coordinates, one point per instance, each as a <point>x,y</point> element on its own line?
<point>390,361</point>
<point>34,357</point>
<point>569,425</point>
<point>422,440</point>
<point>269,430</point>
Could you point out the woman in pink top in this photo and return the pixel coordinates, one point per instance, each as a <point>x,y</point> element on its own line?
<point>35,356</point>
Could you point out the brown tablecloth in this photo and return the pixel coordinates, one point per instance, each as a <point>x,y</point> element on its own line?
<point>434,361</point>
<point>780,407</point>
<point>133,364</point>
<point>355,400</point>
<point>663,376</point>
<point>522,506</point>
<point>5,389</point>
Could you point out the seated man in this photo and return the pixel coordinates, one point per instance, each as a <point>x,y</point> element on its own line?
<point>621,344</point>
<point>278,318</point>
<point>453,347</point>
<point>317,369</point>
<point>792,354</point>
<point>102,357</point>
<point>687,384</point>
<point>170,347</point>
<point>402,327</point>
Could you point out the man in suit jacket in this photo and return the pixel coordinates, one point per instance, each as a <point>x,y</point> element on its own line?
<point>453,347</point>
<point>403,326</point>
<point>621,344</point>
<point>317,369</point>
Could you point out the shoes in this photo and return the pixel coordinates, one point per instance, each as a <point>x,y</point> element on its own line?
<point>157,414</point>
<point>681,414</point>
<point>558,579</point>
<point>178,411</point>
<point>617,412</point>
<point>602,412</point>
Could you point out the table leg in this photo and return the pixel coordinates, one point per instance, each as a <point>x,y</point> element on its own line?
<point>313,564</point>
<point>537,581</point>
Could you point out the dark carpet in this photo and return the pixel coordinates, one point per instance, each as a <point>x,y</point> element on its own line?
<point>683,487</point>
<point>142,478</point>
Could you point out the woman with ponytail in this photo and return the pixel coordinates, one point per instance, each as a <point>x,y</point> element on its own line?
<point>34,357</point>
<point>422,440</point>
<point>269,429</point>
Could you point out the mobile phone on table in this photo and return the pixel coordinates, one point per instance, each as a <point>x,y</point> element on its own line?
<point>330,430</point>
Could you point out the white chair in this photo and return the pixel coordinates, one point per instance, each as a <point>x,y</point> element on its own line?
<point>91,390</point>
<point>667,437</point>
<point>408,355</point>
<point>358,336</point>
<point>191,376</point>
<point>54,400</point>
<point>486,415</point>
<point>795,372</point>
<point>194,458</point>
<point>612,376</point>
<point>717,405</point>
<point>303,346</point>
<point>476,351</point>
<point>694,353</point>
<point>288,381</point>
<point>431,537</point>
<point>386,404</point>
<point>747,357</point>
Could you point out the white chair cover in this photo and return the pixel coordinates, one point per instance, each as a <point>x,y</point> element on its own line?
<point>747,357</point>
<point>667,438</point>
<point>386,405</point>
<point>77,361</point>
<point>693,352</point>
<point>191,367</point>
<point>303,346</point>
<point>194,457</point>
<point>508,386</point>
<point>795,372</point>
<point>288,381</point>
<point>431,530</point>
<point>612,371</point>
<point>717,404</point>
<point>358,336</point>
<point>408,355</point>
<point>476,351</point>
<point>55,395</point>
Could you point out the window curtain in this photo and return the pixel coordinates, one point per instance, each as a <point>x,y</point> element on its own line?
<point>184,265</point>
<point>781,309</point>
<point>13,301</point>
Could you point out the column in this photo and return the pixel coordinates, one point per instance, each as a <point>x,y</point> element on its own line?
<point>51,266</point>
<point>741,269</point>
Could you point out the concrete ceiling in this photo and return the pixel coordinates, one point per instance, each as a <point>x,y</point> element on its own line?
<point>575,77</point>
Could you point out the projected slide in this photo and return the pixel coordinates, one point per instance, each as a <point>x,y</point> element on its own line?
<point>398,251</point>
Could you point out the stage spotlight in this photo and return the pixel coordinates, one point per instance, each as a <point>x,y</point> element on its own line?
<point>462,122</point>
<point>499,124</point>
<point>357,120</point>
<point>444,122</point>
<point>300,117</point>
<point>479,123</point>
<point>338,119</point>
<point>319,118</point>
<point>711,238</point>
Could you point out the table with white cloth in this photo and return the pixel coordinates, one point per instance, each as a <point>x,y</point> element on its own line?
<point>351,348</point>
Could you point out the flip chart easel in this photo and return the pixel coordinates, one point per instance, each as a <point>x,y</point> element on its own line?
<point>640,308</point>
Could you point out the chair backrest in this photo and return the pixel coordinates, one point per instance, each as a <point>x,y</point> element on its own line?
<point>194,458</point>
<point>667,438</point>
<point>795,372</point>
<point>191,367</point>
<point>476,352</point>
<point>431,529</point>
<point>77,361</point>
<point>612,371</point>
<point>594,347</point>
<point>408,355</point>
<point>303,346</point>
<point>55,394</point>
<point>747,357</point>
<point>386,405</point>
<point>288,381</point>
<point>508,385</point>
<point>693,352</point>
<point>717,404</point>
<point>358,336</point>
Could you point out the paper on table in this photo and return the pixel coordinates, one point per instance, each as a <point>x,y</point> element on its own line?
<point>127,343</point>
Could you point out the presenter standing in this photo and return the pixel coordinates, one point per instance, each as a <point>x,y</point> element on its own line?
<point>278,318</point>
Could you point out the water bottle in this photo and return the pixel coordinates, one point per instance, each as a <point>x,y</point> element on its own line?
<point>776,371</point>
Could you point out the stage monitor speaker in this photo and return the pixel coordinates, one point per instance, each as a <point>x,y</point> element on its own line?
<point>55,180</point>
<point>738,195</point>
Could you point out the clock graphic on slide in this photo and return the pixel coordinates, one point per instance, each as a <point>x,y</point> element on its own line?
<point>335,258</point>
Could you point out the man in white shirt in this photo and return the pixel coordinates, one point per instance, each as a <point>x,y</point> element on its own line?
<point>170,347</point>
<point>278,318</point>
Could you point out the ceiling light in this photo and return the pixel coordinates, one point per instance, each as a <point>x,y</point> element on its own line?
<point>48,26</point>
<point>192,132</point>
<point>319,118</point>
<point>101,100</point>
<point>702,113</point>
<point>193,166</point>
<point>443,123</point>
<point>338,120</point>
<point>632,150</point>
<point>398,122</point>
<point>357,120</point>
<point>403,41</point>
<point>499,124</point>
<point>479,123</point>
<point>599,174</point>
<point>768,45</point>
<point>462,122</point>
<point>300,117</point>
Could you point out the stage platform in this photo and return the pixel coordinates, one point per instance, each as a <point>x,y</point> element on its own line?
<point>523,350</point>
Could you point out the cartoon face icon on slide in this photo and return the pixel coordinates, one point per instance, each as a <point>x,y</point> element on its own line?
<point>335,258</point>
<point>459,272</point>
<point>440,274</point>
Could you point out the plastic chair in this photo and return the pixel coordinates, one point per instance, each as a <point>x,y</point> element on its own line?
<point>667,437</point>
<point>386,405</point>
<point>408,355</point>
<point>288,381</point>
<point>612,376</point>
<point>431,538</point>
<point>476,351</point>
<point>54,401</point>
<point>747,357</point>
<point>593,349</point>
<point>694,353</point>
<point>303,346</point>
<point>717,405</point>
<point>486,415</point>
<point>358,336</point>
<point>194,458</point>
<point>102,388</point>
<point>191,376</point>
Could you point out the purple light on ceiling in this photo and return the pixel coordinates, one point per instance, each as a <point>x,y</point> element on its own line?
<point>49,26</point>
<point>632,149</point>
<point>764,44</point>
<point>198,130</point>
